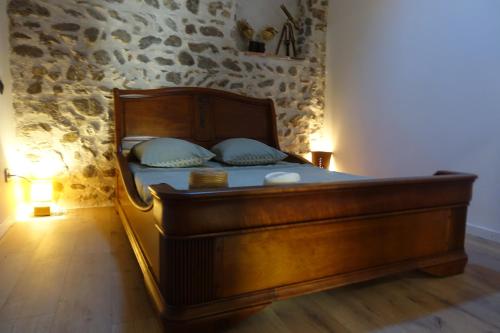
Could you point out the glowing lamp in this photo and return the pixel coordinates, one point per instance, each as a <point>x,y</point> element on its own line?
<point>321,152</point>
<point>321,159</point>
<point>41,196</point>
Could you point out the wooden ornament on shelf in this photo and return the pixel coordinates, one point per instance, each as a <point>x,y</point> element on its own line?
<point>287,36</point>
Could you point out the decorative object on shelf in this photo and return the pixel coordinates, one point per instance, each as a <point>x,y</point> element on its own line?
<point>255,46</point>
<point>321,159</point>
<point>247,32</point>
<point>207,179</point>
<point>287,34</point>
<point>268,33</point>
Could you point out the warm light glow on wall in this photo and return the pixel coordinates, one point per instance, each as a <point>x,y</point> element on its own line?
<point>45,168</point>
<point>21,199</point>
<point>320,142</point>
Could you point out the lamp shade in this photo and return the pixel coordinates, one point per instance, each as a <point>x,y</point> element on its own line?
<point>321,159</point>
<point>41,190</point>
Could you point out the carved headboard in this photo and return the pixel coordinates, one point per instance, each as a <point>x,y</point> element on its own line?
<point>200,115</point>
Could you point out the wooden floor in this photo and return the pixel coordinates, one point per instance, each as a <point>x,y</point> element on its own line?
<point>78,274</point>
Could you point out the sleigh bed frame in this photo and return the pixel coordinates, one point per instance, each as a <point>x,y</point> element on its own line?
<point>220,254</point>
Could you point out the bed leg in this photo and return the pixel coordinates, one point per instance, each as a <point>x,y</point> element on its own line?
<point>446,269</point>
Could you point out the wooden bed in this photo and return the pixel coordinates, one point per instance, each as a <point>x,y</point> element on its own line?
<point>218,254</point>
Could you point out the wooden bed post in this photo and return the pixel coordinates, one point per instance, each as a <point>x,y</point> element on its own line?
<point>446,269</point>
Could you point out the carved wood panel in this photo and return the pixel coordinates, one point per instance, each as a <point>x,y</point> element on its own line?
<point>187,275</point>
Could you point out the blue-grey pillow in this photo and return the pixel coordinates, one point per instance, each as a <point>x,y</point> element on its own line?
<point>171,153</point>
<point>241,151</point>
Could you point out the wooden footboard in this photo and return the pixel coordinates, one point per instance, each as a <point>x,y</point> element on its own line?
<point>224,253</point>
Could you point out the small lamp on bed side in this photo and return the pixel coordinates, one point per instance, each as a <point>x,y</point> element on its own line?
<point>41,196</point>
<point>321,150</point>
<point>321,159</point>
<point>34,199</point>
<point>41,189</point>
<point>34,190</point>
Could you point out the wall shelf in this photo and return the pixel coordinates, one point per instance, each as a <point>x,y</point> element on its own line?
<point>271,56</point>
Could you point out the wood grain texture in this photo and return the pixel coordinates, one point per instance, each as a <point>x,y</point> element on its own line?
<point>309,252</point>
<point>75,274</point>
<point>54,274</point>
<point>269,249</point>
<point>193,281</point>
<point>201,115</point>
<point>218,254</point>
<point>264,206</point>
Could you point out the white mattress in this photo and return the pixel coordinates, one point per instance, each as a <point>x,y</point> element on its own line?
<point>240,176</point>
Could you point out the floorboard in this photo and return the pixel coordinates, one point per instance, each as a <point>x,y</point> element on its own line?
<point>79,274</point>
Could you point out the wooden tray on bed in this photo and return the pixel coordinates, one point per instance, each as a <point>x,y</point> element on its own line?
<point>218,254</point>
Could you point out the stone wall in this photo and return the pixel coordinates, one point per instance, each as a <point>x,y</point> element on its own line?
<point>68,55</point>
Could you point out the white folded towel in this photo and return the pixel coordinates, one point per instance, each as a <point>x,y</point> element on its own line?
<point>275,178</point>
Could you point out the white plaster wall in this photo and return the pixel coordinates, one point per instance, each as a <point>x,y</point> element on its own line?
<point>414,86</point>
<point>6,120</point>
